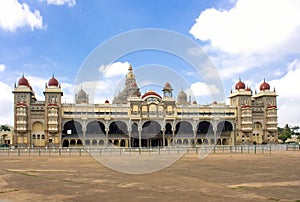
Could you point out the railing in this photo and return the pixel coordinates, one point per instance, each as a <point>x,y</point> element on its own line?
<point>105,151</point>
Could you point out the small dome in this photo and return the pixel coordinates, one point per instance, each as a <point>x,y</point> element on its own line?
<point>106,102</point>
<point>182,96</point>
<point>167,85</point>
<point>239,85</point>
<point>53,82</point>
<point>214,102</point>
<point>133,84</point>
<point>264,86</point>
<point>194,102</point>
<point>81,94</point>
<point>23,82</point>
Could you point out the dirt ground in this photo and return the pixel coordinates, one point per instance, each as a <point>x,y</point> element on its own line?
<point>219,177</point>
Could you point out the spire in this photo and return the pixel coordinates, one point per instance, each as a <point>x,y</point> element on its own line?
<point>130,67</point>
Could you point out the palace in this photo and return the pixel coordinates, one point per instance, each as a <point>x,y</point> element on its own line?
<point>148,120</point>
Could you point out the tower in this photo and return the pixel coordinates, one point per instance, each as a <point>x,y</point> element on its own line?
<point>52,126</point>
<point>241,99</point>
<point>265,113</point>
<point>23,98</point>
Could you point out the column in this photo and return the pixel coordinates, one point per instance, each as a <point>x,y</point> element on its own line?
<point>140,136</point>
<point>163,143</point>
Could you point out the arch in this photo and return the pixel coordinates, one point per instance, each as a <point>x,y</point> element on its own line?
<point>212,141</point>
<point>185,141</point>
<point>87,142</point>
<point>151,129</point>
<point>94,142</point>
<point>257,126</point>
<point>219,142</point>
<point>101,142</point>
<point>179,141</point>
<point>72,128</point>
<point>199,141</point>
<point>116,142</point>
<point>79,142</point>
<point>224,141</point>
<point>123,143</point>
<point>72,142</point>
<point>184,128</point>
<point>95,129</point>
<point>117,128</point>
<point>168,129</point>
<point>66,143</point>
<point>204,127</point>
<point>135,130</point>
<point>37,134</point>
<point>205,141</point>
<point>224,126</point>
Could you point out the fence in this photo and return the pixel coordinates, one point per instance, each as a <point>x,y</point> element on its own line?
<point>254,149</point>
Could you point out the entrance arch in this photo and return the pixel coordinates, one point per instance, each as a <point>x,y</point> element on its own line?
<point>38,136</point>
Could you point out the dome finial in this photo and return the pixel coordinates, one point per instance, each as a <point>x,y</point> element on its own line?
<point>130,67</point>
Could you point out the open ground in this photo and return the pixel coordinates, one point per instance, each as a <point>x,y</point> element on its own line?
<point>219,177</point>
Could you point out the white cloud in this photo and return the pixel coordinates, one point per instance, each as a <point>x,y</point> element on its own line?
<point>288,95</point>
<point>70,3</point>
<point>2,67</point>
<point>202,89</point>
<point>114,69</point>
<point>6,106</point>
<point>251,26</point>
<point>15,15</point>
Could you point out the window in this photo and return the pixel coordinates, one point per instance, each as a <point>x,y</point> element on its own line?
<point>33,137</point>
<point>43,137</point>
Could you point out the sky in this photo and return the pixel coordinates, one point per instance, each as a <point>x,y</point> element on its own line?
<point>248,39</point>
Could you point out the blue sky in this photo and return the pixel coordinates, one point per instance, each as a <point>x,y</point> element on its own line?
<point>250,39</point>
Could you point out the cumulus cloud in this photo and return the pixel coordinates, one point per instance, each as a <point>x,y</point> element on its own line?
<point>70,3</point>
<point>198,89</point>
<point>2,67</point>
<point>15,15</point>
<point>250,26</point>
<point>288,95</point>
<point>114,69</point>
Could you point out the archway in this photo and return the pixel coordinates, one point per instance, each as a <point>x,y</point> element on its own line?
<point>117,129</point>
<point>95,129</point>
<point>224,126</point>
<point>184,129</point>
<point>72,129</point>
<point>151,134</point>
<point>66,143</point>
<point>38,136</point>
<point>204,127</point>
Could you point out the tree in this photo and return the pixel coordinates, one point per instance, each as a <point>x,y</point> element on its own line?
<point>287,132</point>
<point>4,128</point>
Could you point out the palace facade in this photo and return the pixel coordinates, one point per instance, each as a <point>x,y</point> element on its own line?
<point>148,120</point>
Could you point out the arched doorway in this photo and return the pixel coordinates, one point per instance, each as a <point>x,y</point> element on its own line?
<point>38,136</point>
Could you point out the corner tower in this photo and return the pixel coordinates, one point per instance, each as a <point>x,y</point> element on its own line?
<point>53,94</point>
